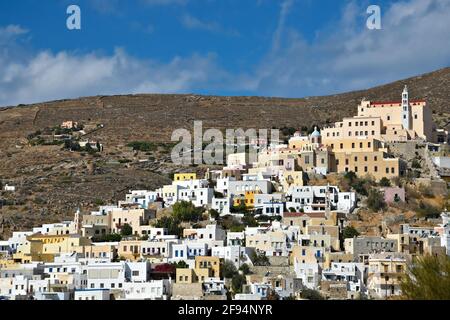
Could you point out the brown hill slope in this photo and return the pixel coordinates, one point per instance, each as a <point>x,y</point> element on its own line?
<point>153,117</point>
<point>52,182</point>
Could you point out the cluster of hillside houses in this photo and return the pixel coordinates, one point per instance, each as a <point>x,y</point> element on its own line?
<point>302,240</point>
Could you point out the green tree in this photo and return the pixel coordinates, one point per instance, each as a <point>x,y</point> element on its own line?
<point>186,211</point>
<point>229,269</point>
<point>181,265</point>
<point>214,213</point>
<point>350,232</point>
<point>259,259</point>
<point>426,210</point>
<point>375,200</point>
<point>385,182</point>
<point>126,230</point>
<point>416,164</point>
<point>249,220</point>
<point>428,278</point>
<point>350,177</point>
<point>171,224</point>
<point>311,294</point>
<point>240,208</point>
<point>245,269</point>
<point>113,237</point>
<point>273,296</point>
<point>237,283</point>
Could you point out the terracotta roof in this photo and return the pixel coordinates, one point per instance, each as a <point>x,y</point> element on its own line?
<point>301,214</point>
<point>163,268</point>
<point>395,102</point>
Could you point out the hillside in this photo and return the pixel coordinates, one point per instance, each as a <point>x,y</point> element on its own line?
<point>52,183</point>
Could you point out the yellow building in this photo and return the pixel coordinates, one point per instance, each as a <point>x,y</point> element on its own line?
<point>386,271</point>
<point>393,121</point>
<point>45,247</point>
<point>10,264</point>
<point>184,176</point>
<point>364,157</point>
<point>108,250</point>
<point>303,220</point>
<point>205,267</point>
<point>292,179</point>
<point>210,263</point>
<point>130,249</point>
<point>248,198</point>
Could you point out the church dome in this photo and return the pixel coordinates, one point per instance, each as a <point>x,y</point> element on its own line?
<point>316,133</point>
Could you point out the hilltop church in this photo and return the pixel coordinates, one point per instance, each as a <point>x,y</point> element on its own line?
<point>390,121</point>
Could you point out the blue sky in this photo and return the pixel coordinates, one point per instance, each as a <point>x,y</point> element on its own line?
<point>290,48</point>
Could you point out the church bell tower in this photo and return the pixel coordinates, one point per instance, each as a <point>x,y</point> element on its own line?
<point>406,114</point>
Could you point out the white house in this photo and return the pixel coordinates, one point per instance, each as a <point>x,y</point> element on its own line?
<point>237,254</point>
<point>92,294</point>
<point>353,274</point>
<point>9,188</point>
<point>318,198</point>
<point>137,271</point>
<point>235,238</point>
<point>105,275</point>
<point>151,290</point>
<point>222,205</point>
<point>142,197</point>
<point>187,251</point>
<point>309,273</point>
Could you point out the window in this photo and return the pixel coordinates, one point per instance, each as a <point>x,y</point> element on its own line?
<point>353,145</point>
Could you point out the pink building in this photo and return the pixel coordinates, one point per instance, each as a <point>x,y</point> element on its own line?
<point>393,194</point>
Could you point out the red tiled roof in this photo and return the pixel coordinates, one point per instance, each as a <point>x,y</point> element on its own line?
<point>301,214</point>
<point>163,268</point>
<point>395,102</point>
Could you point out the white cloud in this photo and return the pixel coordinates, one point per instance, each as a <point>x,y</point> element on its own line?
<point>49,76</point>
<point>286,6</point>
<point>191,22</point>
<point>11,32</point>
<point>349,57</point>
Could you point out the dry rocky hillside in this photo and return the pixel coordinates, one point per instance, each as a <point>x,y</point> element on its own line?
<point>51,182</point>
